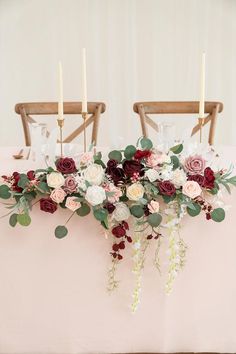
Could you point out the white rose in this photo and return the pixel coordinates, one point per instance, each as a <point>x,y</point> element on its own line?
<point>152,174</point>
<point>121,212</point>
<point>95,195</point>
<point>153,206</point>
<point>178,178</point>
<point>94,174</point>
<point>81,183</point>
<point>192,189</point>
<point>55,180</point>
<point>58,195</point>
<point>166,172</point>
<point>72,203</point>
<point>135,191</point>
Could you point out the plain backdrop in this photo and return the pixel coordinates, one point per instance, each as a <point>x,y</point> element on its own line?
<point>136,50</point>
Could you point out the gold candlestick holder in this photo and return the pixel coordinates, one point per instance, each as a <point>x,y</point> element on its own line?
<point>201,123</point>
<point>84,116</point>
<point>60,123</point>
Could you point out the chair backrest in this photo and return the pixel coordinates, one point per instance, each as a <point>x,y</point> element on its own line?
<point>146,108</point>
<point>51,108</point>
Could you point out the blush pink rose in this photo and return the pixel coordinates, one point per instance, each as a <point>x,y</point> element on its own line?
<point>153,206</point>
<point>195,164</point>
<point>114,192</point>
<point>156,159</point>
<point>191,189</point>
<point>72,204</point>
<point>70,185</point>
<point>86,158</point>
<point>58,195</point>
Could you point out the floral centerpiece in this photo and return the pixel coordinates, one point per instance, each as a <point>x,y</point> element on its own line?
<point>139,195</point>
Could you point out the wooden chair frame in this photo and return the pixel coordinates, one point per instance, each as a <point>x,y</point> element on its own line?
<point>25,110</point>
<point>145,108</point>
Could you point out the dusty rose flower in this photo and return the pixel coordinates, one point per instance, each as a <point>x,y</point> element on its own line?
<point>70,185</point>
<point>195,164</point>
<point>72,204</point>
<point>191,189</point>
<point>58,195</point>
<point>153,206</point>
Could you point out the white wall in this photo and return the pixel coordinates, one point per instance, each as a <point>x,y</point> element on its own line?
<point>136,50</point>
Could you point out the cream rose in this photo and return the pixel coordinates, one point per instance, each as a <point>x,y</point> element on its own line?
<point>58,195</point>
<point>72,204</point>
<point>95,195</point>
<point>178,178</point>
<point>192,189</point>
<point>121,212</point>
<point>152,174</point>
<point>94,174</point>
<point>135,191</point>
<point>55,180</point>
<point>153,206</point>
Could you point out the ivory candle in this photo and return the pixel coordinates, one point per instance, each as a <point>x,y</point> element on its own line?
<point>202,88</point>
<point>84,81</point>
<point>60,102</point>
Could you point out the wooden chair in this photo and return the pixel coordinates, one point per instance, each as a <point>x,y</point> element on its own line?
<point>146,108</point>
<point>51,108</point>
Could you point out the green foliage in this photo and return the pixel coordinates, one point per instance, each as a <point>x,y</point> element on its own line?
<point>115,155</point>
<point>218,214</point>
<point>100,214</point>
<point>137,211</point>
<point>61,231</point>
<point>24,219</point>
<point>175,162</point>
<point>100,162</point>
<point>13,220</point>
<point>129,152</point>
<point>154,219</point>
<point>177,149</point>
<point>5,192</point>
<point>146,143</point>
<point>43,187</point>
<point>167,199</point>
<point>83,210</point>
<point>194,209</point>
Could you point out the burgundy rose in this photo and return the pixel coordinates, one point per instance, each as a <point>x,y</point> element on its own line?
<point>109,207</point>
<point>16,178</point>
<point>131,166</point>
<point>31,175</point>
<point>112,163</point>
<point>209,178</point>
<point>48,205</point>
<point>141,154</point>
<point>70,185</point>
<point>197,178</point>
<point>116,173</point>
<point>118,231</point>
<point>66,165</point>
<point>166,188</point>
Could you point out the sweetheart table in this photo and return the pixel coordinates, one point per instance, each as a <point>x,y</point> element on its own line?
<point>53,296</point>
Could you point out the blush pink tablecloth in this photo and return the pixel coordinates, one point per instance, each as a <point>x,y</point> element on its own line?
<point>53,295</point>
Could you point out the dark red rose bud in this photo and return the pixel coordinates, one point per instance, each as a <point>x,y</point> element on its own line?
<point>48,205</point>
<point>129,239</point>
<point>118,231</point>
<point>166,188</point>
<point>31,175</point>
<point>112,163</point>
<point>197,178</point>
<point>131,166</point>
<point>120,257</point>
<point>141,154</point>
<point>114,255</point>
<point>149,237</point>
<point>209,178</point>
<point>115,247</point>
<point>126,225</point>
<point>109,207</point>
<point>66,165</point>
<point>4,177</point>
<point>122,245</point>
<point>208,216</point>
<point>16,176</point>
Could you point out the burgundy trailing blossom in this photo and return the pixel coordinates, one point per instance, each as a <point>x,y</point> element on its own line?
<point>31,175</point>
<point>109,207</point>
<point>16,178</point>
<point>209,178</point>
<point>141,154</point>
<point>120,231</point>
<point>166,188</point>
<point>66,165</point>
<point>48,205</point>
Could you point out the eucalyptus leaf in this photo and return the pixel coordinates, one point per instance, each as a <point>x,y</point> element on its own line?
<point>137,211</point>
<point>100,214</point>
<point>13,220</point>
<point>218,214</point>
<point>24,219</point>
<point>194,212</point>
<point>130,150</point>
<point>177,149</point>
<point>175,162</point>
<point>154,219</point>
<point>5,192</point>
<point>61,231</point>
<point>23,181</point>
<point>115,155</point>
<point>83,210</point>
<point>146,143</point>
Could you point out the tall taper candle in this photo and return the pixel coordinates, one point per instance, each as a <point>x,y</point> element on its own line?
<point>84,80</point>
<point>60,102</point>
<point>202,88</point>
